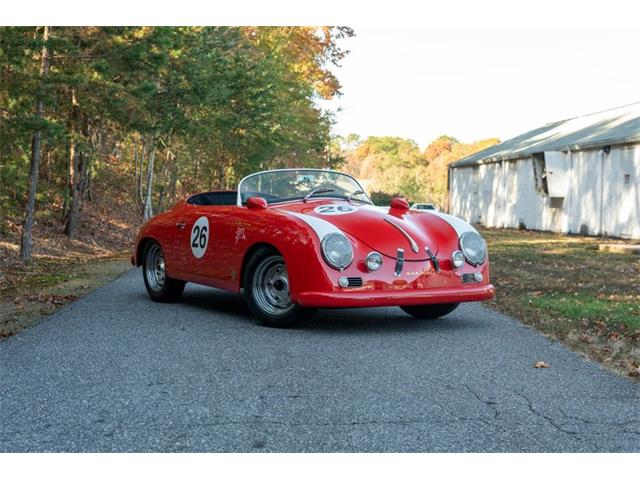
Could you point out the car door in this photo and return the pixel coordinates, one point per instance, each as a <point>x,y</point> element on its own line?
<point>219,266</point>
<point>193,235</point>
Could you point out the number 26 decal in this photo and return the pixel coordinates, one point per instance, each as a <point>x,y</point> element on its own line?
<point>334,209</point>
<point>200,237</point>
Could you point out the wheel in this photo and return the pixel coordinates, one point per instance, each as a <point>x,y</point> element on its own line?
<point>266,290</point>
<point>430,311</point>
<point>160,287</point>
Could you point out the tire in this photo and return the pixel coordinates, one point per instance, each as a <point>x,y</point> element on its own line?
<point>266,291</point>
<point>430,311</point>
<point>160,287</point>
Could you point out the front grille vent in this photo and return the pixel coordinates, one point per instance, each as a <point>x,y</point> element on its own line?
<point>468,278</point>
<point>355,281</point>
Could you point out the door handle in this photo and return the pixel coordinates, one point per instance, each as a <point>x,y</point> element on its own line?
<point>180,225</point>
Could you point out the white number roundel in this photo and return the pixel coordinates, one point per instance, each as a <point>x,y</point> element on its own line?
<point>334,209</point>
<point>199,237</point>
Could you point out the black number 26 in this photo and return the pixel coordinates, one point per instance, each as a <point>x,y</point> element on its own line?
<point>199,237</point>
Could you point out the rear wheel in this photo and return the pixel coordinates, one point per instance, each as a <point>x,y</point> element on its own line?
<point>430,311</point>
<point>266,290</point>
<point>160,287</point>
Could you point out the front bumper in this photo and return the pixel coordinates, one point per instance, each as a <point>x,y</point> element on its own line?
<point>390,298</point>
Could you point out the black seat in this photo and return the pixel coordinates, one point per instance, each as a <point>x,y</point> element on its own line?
<point>214,198</point>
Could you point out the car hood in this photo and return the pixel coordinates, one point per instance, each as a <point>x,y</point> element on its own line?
<point>376,227</point>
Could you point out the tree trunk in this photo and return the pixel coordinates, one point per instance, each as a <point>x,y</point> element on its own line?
<point>80,180</point>
<point>139,161</point>
<point>137,172</point>
<point>88,184</point>
<point>72,159</point>
<point>148,200</point>
<point>74,207</point>
<point>173,182</point>
<point>47,155</point>
<point>27,228</point>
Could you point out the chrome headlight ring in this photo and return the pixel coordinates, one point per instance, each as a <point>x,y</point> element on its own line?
<point>337,250</point>
<point>457,259</point>
<point>373,261</point>
<point>473,247</point>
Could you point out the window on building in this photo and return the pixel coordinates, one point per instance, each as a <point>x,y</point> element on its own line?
<point>540,175</point>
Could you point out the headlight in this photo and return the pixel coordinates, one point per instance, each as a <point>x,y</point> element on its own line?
<point>337,250</point>
<point>474,248</point>
<point>373,261</point>
<point>457,258</point>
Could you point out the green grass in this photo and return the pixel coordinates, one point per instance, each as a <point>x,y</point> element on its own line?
<point>579,307</point>
<point>566,288</point>
<point>47,279</point>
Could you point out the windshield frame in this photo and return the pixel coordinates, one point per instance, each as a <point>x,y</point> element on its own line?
<point>324,170</point>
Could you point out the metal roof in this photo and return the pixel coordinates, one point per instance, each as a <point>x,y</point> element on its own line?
<point>609,127</point>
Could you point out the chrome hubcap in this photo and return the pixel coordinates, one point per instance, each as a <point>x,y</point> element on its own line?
<point>155,268</point>
<point>271,286</point>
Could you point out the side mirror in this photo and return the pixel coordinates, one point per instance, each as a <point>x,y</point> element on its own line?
<point>399,206</point>
<point>257,203</point>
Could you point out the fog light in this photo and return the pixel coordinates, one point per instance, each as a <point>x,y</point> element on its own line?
<point>343,282</point>
<point>478,276</point>
<point>373,261</point>
<point>457,258</point>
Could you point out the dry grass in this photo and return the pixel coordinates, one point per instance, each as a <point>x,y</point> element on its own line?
<point>30,293</point>
<point>565,288</point>
<point>63,268</point>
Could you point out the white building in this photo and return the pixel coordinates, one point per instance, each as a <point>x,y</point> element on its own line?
<point>578,175</point>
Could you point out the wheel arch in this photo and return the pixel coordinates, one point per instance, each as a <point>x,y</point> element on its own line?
<point>247,255</point>
<point>142,244</point>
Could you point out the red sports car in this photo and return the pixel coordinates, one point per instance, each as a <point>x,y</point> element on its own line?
<point>296,240</point>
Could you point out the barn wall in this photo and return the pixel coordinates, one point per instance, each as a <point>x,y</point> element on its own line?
<point>602,194</point>
<point>621,192</point>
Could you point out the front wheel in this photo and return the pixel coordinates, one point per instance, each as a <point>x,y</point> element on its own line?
<point>430,311</point>
<point>266,290</point>
<point>160,287</point>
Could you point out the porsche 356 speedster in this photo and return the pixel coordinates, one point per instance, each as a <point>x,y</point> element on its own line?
<point>295,240</point>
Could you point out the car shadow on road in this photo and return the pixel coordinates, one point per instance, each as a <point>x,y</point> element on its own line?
<point>376,320</point>
<point>217,302</point>
<point>348,320</point>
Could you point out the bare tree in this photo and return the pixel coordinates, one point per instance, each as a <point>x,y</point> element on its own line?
<point>148,199</point>
<point>27,228</point>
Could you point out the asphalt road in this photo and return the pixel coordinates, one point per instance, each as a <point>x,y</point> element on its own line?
<point>117,372</point>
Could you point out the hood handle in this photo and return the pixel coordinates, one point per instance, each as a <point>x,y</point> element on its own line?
<point>399,262</point>
<point>434,259</point>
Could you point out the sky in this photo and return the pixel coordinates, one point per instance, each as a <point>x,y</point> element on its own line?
<point>475,82</point>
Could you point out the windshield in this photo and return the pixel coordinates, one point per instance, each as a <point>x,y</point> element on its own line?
<point>284,185</point>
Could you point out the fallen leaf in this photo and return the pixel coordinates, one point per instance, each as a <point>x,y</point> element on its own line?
<point>541,364</point>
